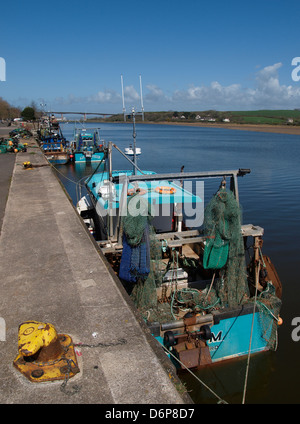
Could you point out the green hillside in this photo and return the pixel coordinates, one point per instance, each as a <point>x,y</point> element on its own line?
<point>271,117</point>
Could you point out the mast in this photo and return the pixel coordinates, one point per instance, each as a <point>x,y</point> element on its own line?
<point>134,140</point>
<point>142,104</point>
<point>124,110</point>
<point>110,216</point>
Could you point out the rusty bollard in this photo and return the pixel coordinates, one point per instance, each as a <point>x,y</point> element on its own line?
<point>44,355</point>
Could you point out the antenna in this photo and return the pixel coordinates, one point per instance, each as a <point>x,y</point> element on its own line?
<point>142,97</point>
<point>124,110</point>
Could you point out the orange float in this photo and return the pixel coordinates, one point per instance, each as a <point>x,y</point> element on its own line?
<point>165,190</point>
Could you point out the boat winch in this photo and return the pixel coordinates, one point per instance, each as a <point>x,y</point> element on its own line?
<point>190,346</point>
<point>44,355</point>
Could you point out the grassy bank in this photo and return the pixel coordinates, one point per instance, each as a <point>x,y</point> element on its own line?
<point>276,121</point>
<point>255,117</point>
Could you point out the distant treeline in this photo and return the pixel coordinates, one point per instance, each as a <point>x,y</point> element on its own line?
<point>7,111</point>
<point>271,117</point>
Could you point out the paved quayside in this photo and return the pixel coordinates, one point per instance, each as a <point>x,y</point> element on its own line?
<point>52,271</point>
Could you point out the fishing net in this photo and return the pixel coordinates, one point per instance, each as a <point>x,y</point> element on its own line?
<point>225,252</point>
<point>143,267</point>
<point>224,248</point>
<point>268,305</point>
<point>141,262</point>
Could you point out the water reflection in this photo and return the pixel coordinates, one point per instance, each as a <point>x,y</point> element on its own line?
<point>73,175</point>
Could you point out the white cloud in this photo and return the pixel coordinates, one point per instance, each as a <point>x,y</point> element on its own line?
<point>214,95</point>
<point>269,92</point>
<point>155,95</point>
<point>130,94</point>
<point>266,93</point>
<point>107,96</point>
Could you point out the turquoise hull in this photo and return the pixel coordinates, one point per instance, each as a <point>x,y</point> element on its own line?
<point>231,337</point>
<point>95,157</point>
<point>59,161</point>
<point>57,158</point>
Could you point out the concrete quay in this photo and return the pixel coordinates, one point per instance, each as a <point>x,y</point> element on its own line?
<point>52,271</point>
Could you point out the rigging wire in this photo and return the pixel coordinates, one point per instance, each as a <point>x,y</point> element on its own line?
<point>251,336</point>
<point>194,375</point>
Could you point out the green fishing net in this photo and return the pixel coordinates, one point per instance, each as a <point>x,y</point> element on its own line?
<point>268,305</point>
<point>225,252</point>
<point>224,248</point>
<point>143,252</point>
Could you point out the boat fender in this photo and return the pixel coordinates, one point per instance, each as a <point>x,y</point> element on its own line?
<point>280,321</point>
<point>205,332</point>
<point>165,190</point>
<point>169,339</point>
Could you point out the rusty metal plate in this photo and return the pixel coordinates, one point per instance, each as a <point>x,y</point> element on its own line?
<point>189,357</point>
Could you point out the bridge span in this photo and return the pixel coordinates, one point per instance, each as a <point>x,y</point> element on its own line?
<point>81,113</point>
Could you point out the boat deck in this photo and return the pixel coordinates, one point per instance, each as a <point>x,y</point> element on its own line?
<point>53,271</point>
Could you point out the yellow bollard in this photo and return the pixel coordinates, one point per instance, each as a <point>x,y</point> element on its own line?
<point>44,355</point>
<point>27,165</point>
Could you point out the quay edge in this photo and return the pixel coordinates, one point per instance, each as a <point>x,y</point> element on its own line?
<point>53,271</point>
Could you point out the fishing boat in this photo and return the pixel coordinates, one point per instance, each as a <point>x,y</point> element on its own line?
<point>54,144</point>
<point>87,146</point>
<point>197,275</point>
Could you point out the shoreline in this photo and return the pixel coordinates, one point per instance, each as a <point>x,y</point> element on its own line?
<point>279,129</point>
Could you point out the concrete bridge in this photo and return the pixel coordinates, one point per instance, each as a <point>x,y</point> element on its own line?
<point>81,113</point>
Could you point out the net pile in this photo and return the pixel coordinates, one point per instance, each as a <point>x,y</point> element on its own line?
<point>141,259</point>
<point>224,249</point>
<point>269,305</point>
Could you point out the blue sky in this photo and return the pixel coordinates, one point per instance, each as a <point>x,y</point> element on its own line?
<point>194,55</point>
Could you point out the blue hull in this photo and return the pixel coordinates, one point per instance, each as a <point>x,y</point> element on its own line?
<point>231,337</point>
<point>58,161</point>
<point>79,157</point>
<point>57,158</point>
<point>96,157</point>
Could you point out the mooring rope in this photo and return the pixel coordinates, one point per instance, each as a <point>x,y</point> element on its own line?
<point>67,178</point>
<point>251,336</point>
<point>194,375</point>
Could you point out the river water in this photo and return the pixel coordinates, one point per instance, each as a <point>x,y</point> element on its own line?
<point>270,198</point>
